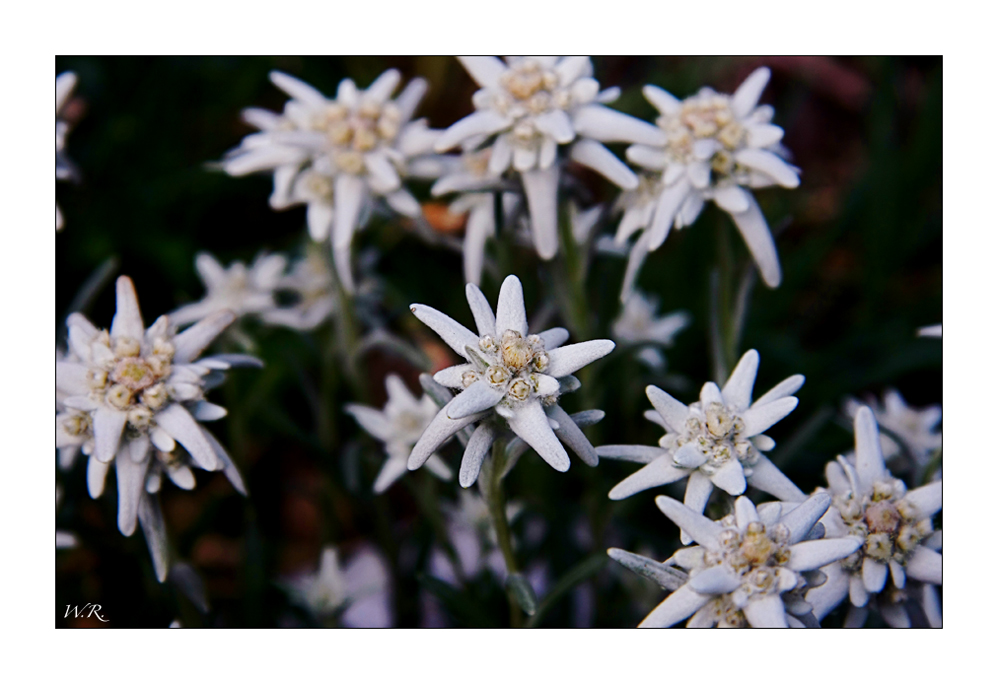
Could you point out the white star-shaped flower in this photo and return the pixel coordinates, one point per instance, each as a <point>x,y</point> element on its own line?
<point>238,288</point>
<point>399,425</point>
<point>895,524</point>
<point>715,442</point>
<point>529,107</point>
<point>916,429</point>
<point>65,169</point>
<point>129,393</point>
<point>746,569</point>
<point>336,155</point>
<point>511,379</point>
<point>359,594</point>
<point>715,147</point>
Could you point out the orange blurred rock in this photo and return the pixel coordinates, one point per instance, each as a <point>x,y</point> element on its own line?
<point>442,219</point>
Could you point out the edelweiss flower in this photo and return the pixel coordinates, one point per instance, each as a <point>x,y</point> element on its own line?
<point>311,282</point>
<point>638,325</point>
<point>717,441</point>
<point>896,525</point>
<point>64,168</point>
<point>746,568</point>
<point>473,537</point>
<point>336,155</point>
<point>511,375</point>
<point>236,288</point>
<point>130,392</point>
<point>532,105</point>
<point>914,428</point>
<point>399,425</point>
<point>714,147</point>
<point>359,594</point>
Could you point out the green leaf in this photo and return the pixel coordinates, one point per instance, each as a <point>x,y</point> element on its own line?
<point>523,593</point>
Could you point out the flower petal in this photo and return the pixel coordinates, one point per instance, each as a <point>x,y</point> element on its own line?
<point>673,412</point>
<point>875,574</point>
<point>228,467</point>
<point>765,611</point>
<point>701,529</point>
<point>372,420</point>
<point>456,336</point>
<point>349,195</point>
<point>813,554</point>
<point>476,398</point>
<point>831,593</point>
<point>569,433</point>
<point>191,342</point>
<point>108,425</point>
<point>436,434</point>
<point>763,135</point>
<point>556,124</point>
<point>769,164</point>
<point>753,227</point>
<point>97,472</point>
<point>928,499</point>
<point>690,456</point>
<point>182,427</point>
<point>730,478</point>
<point>592,154</point>
<point>610,126</point>
<point>745,512</point>
<point>858,595</point>
<point>658,472</point>
<point>485,70</point>
<point>476,450</point>
<point>299,90</point>
<point>485,321</point>
<point>553,337</point>
<point>867,444</point>
<point>667,206</point>
<point>565,360</point>
<point>677,606</point>
<point>665,102</point>
<point>785,388</point>
<point>641,454</point>
<point>926,566</point>
<point>127,320</point>
<point>541,188</point>
<point>770,479</point>
<point>716,580</point>
<point>530,422</point>
<point>738,390</point>
<point>483,123</point>
<point>154,530</point>
<point>748,94</point>
<point>131,485</point>
<point>759,418</point>
<point>510,312</point>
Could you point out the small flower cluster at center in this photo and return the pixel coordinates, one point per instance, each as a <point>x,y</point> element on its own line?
<point>702,117</point>
<point>891,527</point>
<point>717,431</point>
<point>355,131</point>
<point>510,364</point>
<point>128,381</point>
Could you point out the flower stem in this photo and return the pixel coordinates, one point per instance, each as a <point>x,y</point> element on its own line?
<point>492,490</point>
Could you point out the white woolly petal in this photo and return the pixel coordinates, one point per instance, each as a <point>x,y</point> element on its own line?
<point>456,336</point>
<point>556,123</point>
<point>677,606</point>
<point>530,422</point>
<point>181,426</point>
<point>716,580</point>
<point>510,312</point>
<point>673,412</point>
<point>563,361</point>
<point>451,377</point>
<point>648,157</point>
<point>665,102</point>
<point>371,420</point>
<point>703,530</point>
<point>154,530</point>
<point>299,90</point>
<point>541,188</point>
<point>689,456</point>
<point>350,194</point>
<point>486,70</point>
<point>610,126</point>
<point>191,342</point>
<point>769,478</point>
<point>738,390</point>
<point>770,164</point>
<point>765,611</point>
<point>730,478</point>
<point>928,499</point>
<point>733,199</point>
<point>812,554</point>
<point>669,203</point>
<point>476,450</point>
<point>926,566</point>
<point>748,94</point>
<point>875,574</point>
<point>597,157</point>
<point>131,485</point>
<point>569,433</point>
<point>108,425</point>
<point>485,321</point>
<point>759,418</point>
<point>476,124</point>
<point>640,454</point>
<point>476,398</point>
<point>745,512</point>
<point>658,472</point>
<point>785,388</point>
<point>553,337</point>
<point>831,593</point>
<point>870,462</point>
<point>127,320</point>
<point>440,429</point>
<point>763,135</point>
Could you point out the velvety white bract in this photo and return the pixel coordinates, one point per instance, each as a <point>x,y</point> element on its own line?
<point>896,525</point>
<point>510,375</point>
<point>638,325</point>
<point>715,147</point>
<point>715,442</point>
<point>916,429</point>
<point>65,169</point>
<point>130,395</point>
<point>748,568</point>
<point>399,425</point>
<point>359,594</point>
<point>337,155</point>
<point>529,107</point>
<point>238,288</point>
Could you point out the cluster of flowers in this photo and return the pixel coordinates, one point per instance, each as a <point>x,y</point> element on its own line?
<point>135,396</point>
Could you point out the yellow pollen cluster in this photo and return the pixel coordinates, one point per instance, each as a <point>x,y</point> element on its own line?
<point>892,528</point>
<point>702,117</point>
<point>510,364</point>
<point>129,381</point>
<point>718,433</point>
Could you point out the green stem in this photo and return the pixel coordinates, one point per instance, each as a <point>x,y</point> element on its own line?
<point>492,472</point>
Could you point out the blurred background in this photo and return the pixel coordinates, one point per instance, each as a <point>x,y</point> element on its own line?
<point>860,243</point>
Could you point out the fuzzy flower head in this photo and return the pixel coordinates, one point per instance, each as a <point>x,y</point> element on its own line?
<point>399,425</point>
<point>895,524</point>
<point>336,155</point>
<point>747,568</point>
<point>529,107</point>
<point>510,379</point>
<point>238,288</point>
<point>358,593</point>
<point>715,442</point>
<point>129,392</point>
<point>65,170</point>
<point>715,147</point>
<point>637,324</point>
